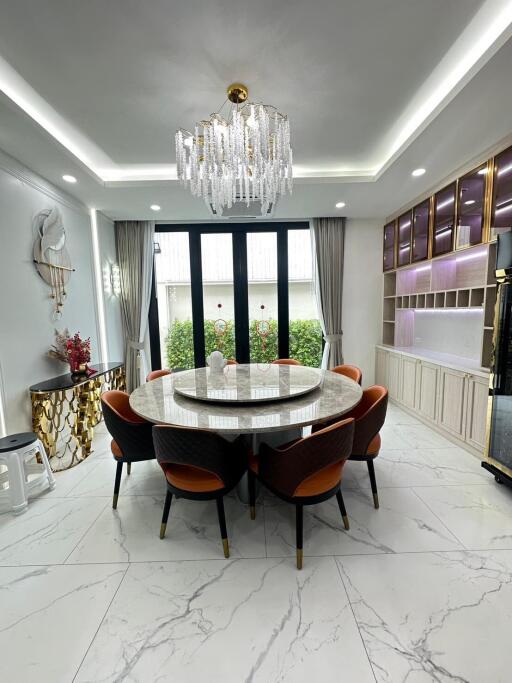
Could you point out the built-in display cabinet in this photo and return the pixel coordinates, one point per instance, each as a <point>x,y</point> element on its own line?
<point>442,393</point>
<point>501,218</point>
<point>440,298</point>
<point>420,230</point>
<point>389,246</point>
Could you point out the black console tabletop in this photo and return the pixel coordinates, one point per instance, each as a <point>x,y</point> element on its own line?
<point>68,381</point>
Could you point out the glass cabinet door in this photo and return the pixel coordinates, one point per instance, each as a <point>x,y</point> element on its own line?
<point>404,238</point>
<point>470,214</point>
<point>389,246</point>
<point>501,220</point>
<point>444,220</point>
<point>420,220</point>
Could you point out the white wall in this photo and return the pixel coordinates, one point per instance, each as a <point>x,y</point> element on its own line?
<point>26,328</point>
<point>362,294</point>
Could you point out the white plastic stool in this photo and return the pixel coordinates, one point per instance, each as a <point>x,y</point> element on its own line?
<point>16,451</point>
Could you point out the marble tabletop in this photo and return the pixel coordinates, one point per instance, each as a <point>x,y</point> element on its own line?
<point>157,402</point>
<point>258,382</point>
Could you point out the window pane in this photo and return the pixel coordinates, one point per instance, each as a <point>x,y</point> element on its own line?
<point>172,273</point>
<point>218,299</point>
<point>262,287</point>
<point>305,330</point>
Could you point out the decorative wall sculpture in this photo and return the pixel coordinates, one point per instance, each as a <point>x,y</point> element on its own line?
<point>51,257</point>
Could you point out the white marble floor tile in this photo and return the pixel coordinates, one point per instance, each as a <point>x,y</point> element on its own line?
<point>68,479</point>
<point>131,533</point>
<point>146,478</point>
<point>420,436</point>
<point>48,531</point>
<point>48,617</point>
<point>434,617</point>
<point>479,516</point>
<point>421,467</point>
<point>227,622</point>
<point>403,523</point>
<point>397,416</point>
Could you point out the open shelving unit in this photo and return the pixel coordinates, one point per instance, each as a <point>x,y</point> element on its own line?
<point>458,280</point>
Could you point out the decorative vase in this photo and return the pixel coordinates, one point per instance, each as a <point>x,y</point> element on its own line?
<point>78,368</point>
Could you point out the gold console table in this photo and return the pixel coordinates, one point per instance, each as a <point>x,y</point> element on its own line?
<point>66,409</point>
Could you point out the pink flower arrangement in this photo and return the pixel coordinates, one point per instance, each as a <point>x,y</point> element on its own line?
<point>78,351</point>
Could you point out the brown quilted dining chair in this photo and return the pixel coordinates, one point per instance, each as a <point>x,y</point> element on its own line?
<point>350,371</point>
<point>305,472</point>
<point>199,465</point>
<point>132,439</point>
<point>369,416</point>
<point>286,361</point>
<point>155,374</point>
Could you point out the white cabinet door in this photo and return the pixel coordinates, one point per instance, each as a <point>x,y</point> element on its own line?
<point>381,367</point>
<point>394,375</point>
<point>452,401</point>
<point>408,388</point>
<point>428,384</point>
<point>476,411</point>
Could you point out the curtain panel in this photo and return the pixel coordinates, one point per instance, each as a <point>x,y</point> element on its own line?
<point>328,244</point>
<point>134,243</point>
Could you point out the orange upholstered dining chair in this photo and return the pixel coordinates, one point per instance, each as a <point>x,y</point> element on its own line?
<point>199,465</point>
<point>132,439</point>
<point>369,416</point>
<point>231,361</point>
<point>305,472</point>
<point>286,361</point>
<point>350,371</point>
<point>155,374</point>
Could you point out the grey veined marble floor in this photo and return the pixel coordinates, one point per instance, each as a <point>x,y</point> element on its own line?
<point>419,590</point>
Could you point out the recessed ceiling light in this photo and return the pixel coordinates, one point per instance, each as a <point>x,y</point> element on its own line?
<point>340,205</point>
<point>155,207</point>
<point>469,202</point>
<point>482,171</point>
<point>417,172</point>
<point>69,178</point>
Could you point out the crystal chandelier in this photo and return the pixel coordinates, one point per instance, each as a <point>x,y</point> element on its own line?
<point>244,157</point>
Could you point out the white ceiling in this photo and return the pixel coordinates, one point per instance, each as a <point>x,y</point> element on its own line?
<point>117,78</point>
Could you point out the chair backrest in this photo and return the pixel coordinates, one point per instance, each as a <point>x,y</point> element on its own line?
<point>285,468</point>
<point>286,361</point>
<point>131,432</point>
<point>350,371</point>
<point>369,415</point>
<point>155,374</point>
<point>200,448</point>
<point>231,361</point>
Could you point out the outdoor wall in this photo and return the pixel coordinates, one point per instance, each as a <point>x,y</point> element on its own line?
<point>26,327</point>
<point>362,294</point>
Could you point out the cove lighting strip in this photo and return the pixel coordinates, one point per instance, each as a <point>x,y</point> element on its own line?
<point>3,424</point>
<point>487,31</point>
<point>98,286</point>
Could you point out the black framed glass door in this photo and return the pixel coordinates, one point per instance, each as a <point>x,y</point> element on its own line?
<point>226,286</point>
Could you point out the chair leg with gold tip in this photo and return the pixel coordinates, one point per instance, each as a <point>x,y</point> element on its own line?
<point>117,484</point>
<point>251,484</point>
<point>222,525</point>
<point>341,505</point>
<point>165,515</point>
<point>373,482</point>
<point>299,510</point>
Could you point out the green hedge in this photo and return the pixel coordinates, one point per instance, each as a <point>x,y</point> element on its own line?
<point>305,342</point>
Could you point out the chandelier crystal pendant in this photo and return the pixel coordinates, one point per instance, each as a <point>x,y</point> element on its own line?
<point>245,157</point>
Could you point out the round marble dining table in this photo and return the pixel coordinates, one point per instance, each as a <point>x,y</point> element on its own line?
<point>306,396</point>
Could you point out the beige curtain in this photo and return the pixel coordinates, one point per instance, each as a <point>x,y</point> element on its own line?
<point>134,243</point>
<point>328,242</point>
